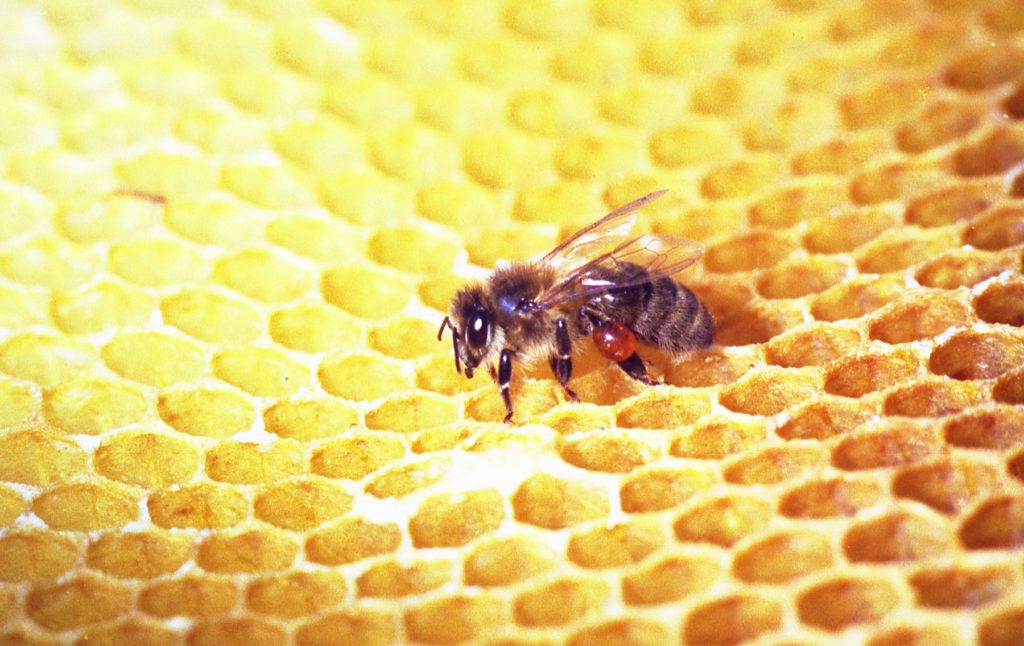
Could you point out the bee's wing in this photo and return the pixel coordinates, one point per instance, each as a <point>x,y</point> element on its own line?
<point>592,240</point>
<point>635,261</point>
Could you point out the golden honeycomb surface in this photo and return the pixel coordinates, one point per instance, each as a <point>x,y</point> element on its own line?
<point>229,230</point>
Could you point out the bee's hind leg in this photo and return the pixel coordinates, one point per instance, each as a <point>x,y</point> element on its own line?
<point>561,361</point>
<point>634,367</point>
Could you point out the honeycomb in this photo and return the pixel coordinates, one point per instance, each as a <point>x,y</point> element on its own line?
<point>229,230</point>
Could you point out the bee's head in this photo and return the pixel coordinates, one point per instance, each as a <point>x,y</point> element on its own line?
<point>473,329</point>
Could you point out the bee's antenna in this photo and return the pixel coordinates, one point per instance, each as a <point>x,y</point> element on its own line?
<point>455,341</point>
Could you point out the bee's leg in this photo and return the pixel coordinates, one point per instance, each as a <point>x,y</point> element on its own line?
<point>561,361</point>
<point>635,368</point>
<point>504,377</point>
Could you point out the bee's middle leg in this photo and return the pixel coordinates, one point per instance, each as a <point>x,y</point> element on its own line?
<point>561,361</point>
<point>503,378</point>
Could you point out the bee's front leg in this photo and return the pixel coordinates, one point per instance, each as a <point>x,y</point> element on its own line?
<point>561,361</point>
<point>504,377</point>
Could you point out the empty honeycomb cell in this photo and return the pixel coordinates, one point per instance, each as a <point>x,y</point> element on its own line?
<point>1009,388</point>
<point>200,505</point>
<point>625,631</point>
<point>245,552</point>
<point>362,377</point>
<point>219,129</point>
<point>351,539</point>
<point>261,371</point>
<point>960,268</point>
<point>21,307</point>
<point>933,398</point>
<point>316,238</point>
<point>157,262</point>
<point>448,520</point>
<point>533,399</point>
<point>592,58</point>
<point>559,602</point>
<point>11,505</point>
<point>663,408</point>
<point>267,184</point>
<point>170,174</point>
<point>315,329</point>
<point>708,368</point>
<point>80,601</point>
<point>46,359</point>
<point>782,557</point>
<point>608,452</point>
<point>568,206</point>
<point>593,156</point>
<point>455,619</point>
<point>192,595</point>
<point>1014,103</point>
<point>271,92</point>
<point>295,594</point>
<point>168,80</point>
<point>856,297</point>
<point>917,319</point>
<point>1001,628</point>
<point>888,444</point>
<point>793,279</point>
<point>723,520</point>
<point>352,626</point>
<point>898,249</point>
<point>308,419</point>
<point>414,154</point>
<point>60,173</point>
<point>92,406</point>
<point>659,488</point>
<point>205,412</point>
<point>859,375</point>
<point>404,479</point>
<point>985,67</point>
<point>456,108</point>
<point>504,160</point>
<point>413,248</point>
<point>939,123</point>
<point>100,306</point>
<point>693,143</point>
<point>356,456</point>
<point>504,561</point>
<point>961,587</point>
<point>120,216</point>
<point>820,420</point>
<point>85,506</point>
<point>138,555</point>
<point>456,203</point>
<point>731,619</point>
<point>302,503</point>
<point>811,345</point>
<point>786,208</point>
<point>405,338</point>
<point>898,536</point>
<point>991,153</point>
<point>553,503</point>
<point>149,460</point>
<point>717,438</point>
<point>977,355</point>
<point>755,250</point>
<point>828,498</point>
<point>841,602</point>
<point>882,102</point>
<point>365,291</point>
<point>615,545</point>
<point>39,457</point>
<point>996,523</point>
<point>412,412</point>
<point>947,486</point>
<point>848,229</point>
<point>840,155</point>
<point>236,632</point>
<point>263,275</point>
<point>699,221</point>
<point>1001,303</point>
<point>213,317</point>
<point>251,463</point>
<point>35,555</point>
<point>628,103</point>
<point>917,634</point>
<point>896,180</point>
<point>673,54</point>
<point>390,579</point>
<point>775,465</point>
<point>128,632</point>
<point>950,205</point>
<point>769,391</point>
<point>153,358</point>
<point>670,578</point>
<point>442,438</point>
<point>737,92</point>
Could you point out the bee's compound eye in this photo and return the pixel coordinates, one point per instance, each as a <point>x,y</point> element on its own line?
<point>477,329</point>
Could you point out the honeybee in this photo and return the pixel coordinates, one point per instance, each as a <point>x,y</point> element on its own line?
<point>602,283</point>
